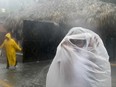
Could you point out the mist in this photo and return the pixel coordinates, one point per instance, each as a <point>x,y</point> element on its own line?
<point>92,14</point>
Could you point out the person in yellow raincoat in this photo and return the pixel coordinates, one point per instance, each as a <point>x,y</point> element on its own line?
<point>10,48</point>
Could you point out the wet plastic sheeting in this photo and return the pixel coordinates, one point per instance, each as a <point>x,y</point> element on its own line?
<point>40,40</point>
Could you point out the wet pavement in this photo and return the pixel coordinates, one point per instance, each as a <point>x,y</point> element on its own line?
<point>31,74</point>
<point>25,75</point>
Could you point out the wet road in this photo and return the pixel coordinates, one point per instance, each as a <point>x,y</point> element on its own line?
<point>25,75</point>
<point>31,74</point>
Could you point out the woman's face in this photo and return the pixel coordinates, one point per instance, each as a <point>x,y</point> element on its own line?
<point>6,38</point>
<point>79,43</point>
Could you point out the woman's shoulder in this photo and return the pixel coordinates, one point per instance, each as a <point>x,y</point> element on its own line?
<point>12,40</point>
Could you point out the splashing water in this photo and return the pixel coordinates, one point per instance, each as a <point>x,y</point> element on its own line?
<point>83,13</point>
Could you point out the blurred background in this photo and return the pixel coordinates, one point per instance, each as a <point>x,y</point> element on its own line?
<point>38,26</point>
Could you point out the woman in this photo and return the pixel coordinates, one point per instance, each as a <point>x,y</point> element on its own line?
<point>81,61</point>
<point>10,48</point>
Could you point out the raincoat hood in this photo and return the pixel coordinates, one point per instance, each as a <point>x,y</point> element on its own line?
<point>8,35</point>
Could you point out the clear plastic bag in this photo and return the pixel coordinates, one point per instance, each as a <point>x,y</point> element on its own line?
<point>80,64</point>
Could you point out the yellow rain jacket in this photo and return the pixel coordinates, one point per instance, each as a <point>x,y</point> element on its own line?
<point>10,47</point>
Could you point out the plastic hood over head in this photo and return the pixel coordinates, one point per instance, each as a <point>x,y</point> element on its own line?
<point>8,35</point>
<point>81,60</point>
